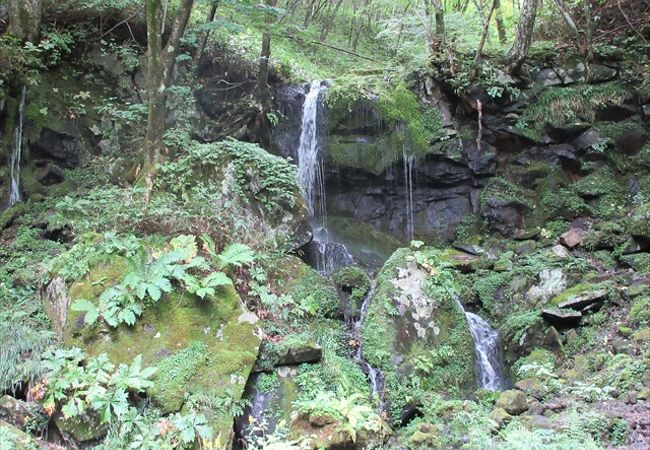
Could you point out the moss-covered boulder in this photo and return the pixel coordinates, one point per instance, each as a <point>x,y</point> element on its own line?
<point>407,334</point>
<point>201,347</point>
<point>512,401</point>
<point>638,224</point>
<point>11,438</point>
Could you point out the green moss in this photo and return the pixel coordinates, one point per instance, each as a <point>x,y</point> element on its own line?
<point>362,239</point>
<point>564,105</point>
<point>14,439</point>
<point>441,360</point>
<point>557,200</point>
<point>206,346</point>
<point>608,189</point>
<point>573,292</point>
<point>173,374</point>
<point>640,311</point>
<point>291,276</point>
<point>639,262</point>
<point>500,191</point>
<point>639,223</point>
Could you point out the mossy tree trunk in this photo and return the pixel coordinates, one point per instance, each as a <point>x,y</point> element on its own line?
<point>263,75</point>
<point>524,36</point>
<point>25,18</point>
<point>161,58</point>
<point>501,28</point>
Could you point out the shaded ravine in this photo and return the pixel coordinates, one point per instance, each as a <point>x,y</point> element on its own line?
<point>489,366</point>
<point>17,152</point>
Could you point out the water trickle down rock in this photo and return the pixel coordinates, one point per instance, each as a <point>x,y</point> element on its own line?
<point>16,154</point>
<point>488,357</point>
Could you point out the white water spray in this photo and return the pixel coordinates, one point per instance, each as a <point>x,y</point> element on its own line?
<point>330,255</point>
<point>486,344</point>
<point>17,152</point>
<point>310,165</point>
<point>409,160</point>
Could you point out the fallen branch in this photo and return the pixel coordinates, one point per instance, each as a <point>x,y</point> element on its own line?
<point>630,23</point>
<point>302,41</point>
<point>121,23</point>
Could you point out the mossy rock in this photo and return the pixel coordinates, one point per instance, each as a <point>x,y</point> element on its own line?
<point>291,276</point>
<point>512,401</point>
<point>639,262</point>
<point>639,223</point>
<point>204,346</point>
<point>582,291</point>
<point>465,262</point>
<point>12,438</point>
<point>368,153</point>
<point>83,429</point>
<point>640,310</point>
<point>370,246</point>
<point>404,324</point>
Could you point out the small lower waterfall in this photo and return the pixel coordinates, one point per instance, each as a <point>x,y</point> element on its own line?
<point>17,152</point>
<point>328,254</point>
<point>374,375</point>
<point>488,355</point>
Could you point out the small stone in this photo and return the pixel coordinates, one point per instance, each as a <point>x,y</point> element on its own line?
<point>513,402</point>
<point>625,331</point>
<point>572,238</point>
<point>561,251</point>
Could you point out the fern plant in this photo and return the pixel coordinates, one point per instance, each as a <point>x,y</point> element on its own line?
<point>150,277</point>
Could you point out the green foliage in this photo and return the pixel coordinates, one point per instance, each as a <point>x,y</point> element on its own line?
<point>640,310</point>
<point>149,276</point>
<point>94,384</point>
<point>257,174</point>
<point>259,438</point>
<point>352,414</point>
<point>518,324</point>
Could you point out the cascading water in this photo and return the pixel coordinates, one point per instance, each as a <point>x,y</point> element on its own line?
<point>330,255</point>
<point>374,375</point>
<point>488,356</point>
<point>17,152</point>
<point>408,192</point>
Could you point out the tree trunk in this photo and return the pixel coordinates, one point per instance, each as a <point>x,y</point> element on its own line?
<point>161,59</point>
<point>203,41</point>
<point>474,72</point>
<point>25,19</point>
<point>440,21</point>
<point>263,74</point>
<point>501,28</point>
<point>524,36</point>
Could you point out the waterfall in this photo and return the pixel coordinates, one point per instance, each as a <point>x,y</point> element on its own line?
<point>488,356</point>
<point>328,254</point>
<point>374,375</point>
<point>17,152</point>
<point>408,192</point>
<point>310,166</point>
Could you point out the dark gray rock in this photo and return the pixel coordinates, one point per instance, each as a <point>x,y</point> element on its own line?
<point>562,317</point>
